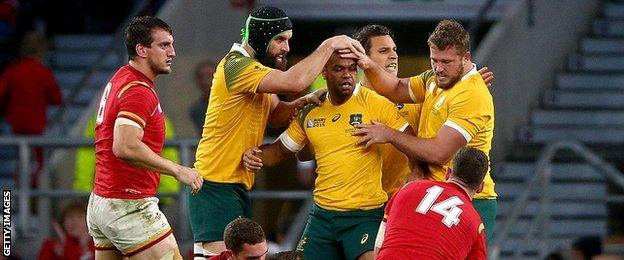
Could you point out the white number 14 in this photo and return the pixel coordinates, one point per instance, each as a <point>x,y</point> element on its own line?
<point>447,208</point>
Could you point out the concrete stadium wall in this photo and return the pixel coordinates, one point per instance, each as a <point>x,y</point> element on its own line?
<point>526,58</point>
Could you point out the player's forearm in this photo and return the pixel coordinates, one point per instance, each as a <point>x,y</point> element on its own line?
<point>422,149</point>
<point>386,84</point>
<point>301,75</point>
<point>140,155</point>
<point>284,112</point>
<point>273,154</point>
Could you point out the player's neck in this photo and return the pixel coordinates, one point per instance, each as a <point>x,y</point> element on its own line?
<point>337,99</point>
<point>467,68</point>
<point>461,184</point>
<point>144,68</point>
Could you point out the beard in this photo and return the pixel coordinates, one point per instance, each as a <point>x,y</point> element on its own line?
<point>452,79</point>
<point>272,61</point>
<point>159,68</point>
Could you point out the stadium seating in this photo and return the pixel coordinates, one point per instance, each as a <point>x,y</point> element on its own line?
<point>584,105</point>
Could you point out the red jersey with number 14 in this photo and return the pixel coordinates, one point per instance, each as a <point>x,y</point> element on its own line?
<point>129,95</point>
<point>432,220</point>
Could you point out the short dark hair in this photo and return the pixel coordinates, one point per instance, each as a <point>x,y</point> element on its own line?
<point>450,33</point>
<point>242,231</point>
<point>364,34</point>
<point>139,31</point>
<point>286,255</point>
<point>470,166</point>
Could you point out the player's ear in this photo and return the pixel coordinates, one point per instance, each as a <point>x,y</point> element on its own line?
<point>141,50</point>
<point>480,187</point>
<point>448,173</point>
<point>467,56</point>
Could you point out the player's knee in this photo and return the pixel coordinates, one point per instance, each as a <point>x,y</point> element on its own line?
<point>368,255</point>
<point>173,254</point>
<point>213,248</point>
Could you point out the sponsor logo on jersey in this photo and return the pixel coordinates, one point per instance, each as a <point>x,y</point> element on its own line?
<point>336,117</point>
<point>364,239</point>
<point>315,122</point>
<point>399,106</point>
<point>302,243</point>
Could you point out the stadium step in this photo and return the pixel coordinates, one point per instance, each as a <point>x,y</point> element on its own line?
<point>564,228</point>
<point>558,191</point>
<point>590,81</point>
<point>573,117</point>
<point>79,59</point>
<point>67,79</point>
<point>608,27</point>
<point>81,41</point>
<point>584,99</point>
<point>602,45</point>
<point>593,62</point>
<point>614,10</point>
<point>565,172</point>
<point>543,135</point>
<point>73,55</point>
<point>531,249</point>
<point>558,210</point>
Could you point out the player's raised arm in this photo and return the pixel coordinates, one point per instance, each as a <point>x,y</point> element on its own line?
<point>301,75</point>
<point>385,83</point>
<point>282,113</point>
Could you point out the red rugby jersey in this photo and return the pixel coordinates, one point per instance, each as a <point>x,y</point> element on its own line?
<point>131,95</point>
<point>432,220</point>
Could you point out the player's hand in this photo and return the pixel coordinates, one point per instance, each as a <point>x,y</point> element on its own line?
<point>316,97</point>
<point>344,43</point>
<point>364,62</point>
<point>251,159</point>
<point>375,133</point>
<point>190,177</point>
<point>487,76</point>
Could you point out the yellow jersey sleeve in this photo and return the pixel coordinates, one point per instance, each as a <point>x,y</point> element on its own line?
<point>295,138</point>
<point>418,86</point>
<point>243,74</point>
<point>468,113</point>
<point>386,111</point>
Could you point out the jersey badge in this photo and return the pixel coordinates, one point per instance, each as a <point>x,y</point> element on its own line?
<point>355,119</point>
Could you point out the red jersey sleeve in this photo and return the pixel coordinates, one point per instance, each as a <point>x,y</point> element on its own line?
<point>477,252</point>
<point>137,103</point>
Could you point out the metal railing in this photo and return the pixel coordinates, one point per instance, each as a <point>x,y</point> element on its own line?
<point>539,184</point>
<point>186,148</point>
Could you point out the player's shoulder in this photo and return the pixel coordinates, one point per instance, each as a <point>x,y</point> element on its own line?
<point>236,64</point>
<point>305,111</point>
<point>237,60</point>
<point>369,96</point>
<point>425,77</point>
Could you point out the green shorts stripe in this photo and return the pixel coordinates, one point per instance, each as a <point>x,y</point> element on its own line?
<point>339,234</point>
<point>487,210</point>
<point>214,206</point>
